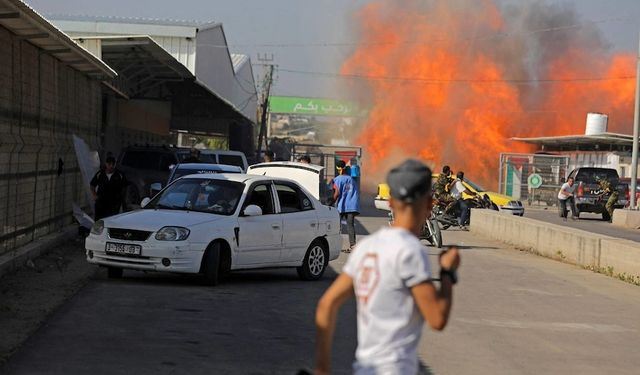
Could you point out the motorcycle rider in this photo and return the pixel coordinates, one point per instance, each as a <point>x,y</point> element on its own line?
<point>441,188</point>
<point>457,191</point>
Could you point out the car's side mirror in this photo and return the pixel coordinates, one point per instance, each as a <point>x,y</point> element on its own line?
<point>145,202</point>
<point>252,210</point>
<point>155,188</point>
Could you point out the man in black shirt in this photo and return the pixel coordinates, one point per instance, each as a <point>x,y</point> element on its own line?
<point>108,187</point>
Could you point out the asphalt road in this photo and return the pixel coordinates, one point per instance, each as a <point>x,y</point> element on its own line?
<point>514,313</point>
<point>590,222</point>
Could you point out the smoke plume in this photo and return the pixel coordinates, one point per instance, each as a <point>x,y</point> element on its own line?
<point>452,81</point>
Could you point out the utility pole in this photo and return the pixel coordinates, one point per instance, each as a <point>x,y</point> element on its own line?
<point>267,83</point>
<point>636,131</point>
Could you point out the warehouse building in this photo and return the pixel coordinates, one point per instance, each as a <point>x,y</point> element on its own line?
<point>138,82</point>
<point>174,76</point>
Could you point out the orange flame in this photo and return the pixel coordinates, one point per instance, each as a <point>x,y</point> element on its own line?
<point>449,95</point>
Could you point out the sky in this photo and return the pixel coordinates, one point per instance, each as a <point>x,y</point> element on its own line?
<point>255,27</point>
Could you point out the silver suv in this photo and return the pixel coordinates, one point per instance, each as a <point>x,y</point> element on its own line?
<point>144,165</point>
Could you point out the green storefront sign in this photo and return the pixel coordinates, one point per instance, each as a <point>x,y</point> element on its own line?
<point>313,106</point>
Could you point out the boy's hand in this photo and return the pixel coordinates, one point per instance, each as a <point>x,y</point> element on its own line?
<point>450,259</point>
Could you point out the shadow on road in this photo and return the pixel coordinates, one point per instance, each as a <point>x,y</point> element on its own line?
<point>257,322</point>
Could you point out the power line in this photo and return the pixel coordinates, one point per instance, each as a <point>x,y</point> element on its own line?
<point>499,35</point>
<point>455,80</point>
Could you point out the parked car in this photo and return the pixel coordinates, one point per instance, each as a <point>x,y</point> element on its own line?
<point>181,170</point>
<point>226,157</point>
<point>626,183</point>
<point>588,192</point>
<point>215,223</point>
<point>143,166</point>
<point>501,202</point>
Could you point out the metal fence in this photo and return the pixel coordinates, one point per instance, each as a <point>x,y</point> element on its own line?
<point>545,172</point>
<point>42,103</point>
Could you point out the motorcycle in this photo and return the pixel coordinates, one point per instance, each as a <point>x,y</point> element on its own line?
<point>450,219</point>
<point>430,231</point>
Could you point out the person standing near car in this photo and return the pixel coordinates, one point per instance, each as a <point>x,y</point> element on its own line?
<point>390,275</point>
<point>108,187</point>
<point>347,198</point>
<point>566,195</point>
<point>457,192</point>
<point>304,159</point>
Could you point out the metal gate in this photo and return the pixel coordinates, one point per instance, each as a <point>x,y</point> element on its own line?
<point>534,178</point>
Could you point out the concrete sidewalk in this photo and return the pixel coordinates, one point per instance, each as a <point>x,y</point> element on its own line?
<point>13,259</point>
<point>605,254</point>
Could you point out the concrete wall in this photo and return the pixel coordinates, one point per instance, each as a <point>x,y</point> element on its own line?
<point>42,103</point>
<point>567,244</point>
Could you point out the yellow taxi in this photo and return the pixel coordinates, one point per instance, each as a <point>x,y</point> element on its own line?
<point>503,202</point>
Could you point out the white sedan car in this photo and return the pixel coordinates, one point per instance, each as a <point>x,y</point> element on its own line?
<point>212,224</point>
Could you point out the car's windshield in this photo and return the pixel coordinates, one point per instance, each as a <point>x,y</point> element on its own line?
<point>474,186</point>
<point>203,195</point>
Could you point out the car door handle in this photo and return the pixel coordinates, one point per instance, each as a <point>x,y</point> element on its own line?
<point>275,226</point>
<point>312,224</point>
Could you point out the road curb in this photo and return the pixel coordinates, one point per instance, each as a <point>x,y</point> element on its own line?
<point>16,258</point>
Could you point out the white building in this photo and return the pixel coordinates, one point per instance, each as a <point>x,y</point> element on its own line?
<point>201,48</point>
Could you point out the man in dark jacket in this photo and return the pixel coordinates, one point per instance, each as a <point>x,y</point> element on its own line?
<point>108,187</point>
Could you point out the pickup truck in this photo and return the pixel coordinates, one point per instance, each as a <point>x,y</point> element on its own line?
<point>588,193</point>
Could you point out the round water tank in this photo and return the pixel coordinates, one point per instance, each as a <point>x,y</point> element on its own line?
<point>596,123</point>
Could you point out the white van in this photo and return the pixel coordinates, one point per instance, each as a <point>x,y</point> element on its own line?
<point>235,158</point>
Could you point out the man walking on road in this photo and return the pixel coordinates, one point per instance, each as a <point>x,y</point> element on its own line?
<point>108,187</point>
<point>390,276</point>
<point>566,195</point>
<point>347,198</point>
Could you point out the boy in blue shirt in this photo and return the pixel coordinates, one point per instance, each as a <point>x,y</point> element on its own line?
<point>347,198</point>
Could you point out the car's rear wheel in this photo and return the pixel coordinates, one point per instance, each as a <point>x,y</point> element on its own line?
<point>114,272</point>
<point>210,268</point>
<point>315,261</point>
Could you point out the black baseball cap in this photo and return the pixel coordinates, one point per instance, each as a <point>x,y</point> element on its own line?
<point>409,181</point>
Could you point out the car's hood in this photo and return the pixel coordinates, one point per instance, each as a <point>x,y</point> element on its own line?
<point>152,220</point>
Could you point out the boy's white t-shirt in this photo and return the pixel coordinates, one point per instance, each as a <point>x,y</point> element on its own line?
<point>384,267</point>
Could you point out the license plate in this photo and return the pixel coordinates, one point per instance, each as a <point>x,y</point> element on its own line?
<point>123,248</point>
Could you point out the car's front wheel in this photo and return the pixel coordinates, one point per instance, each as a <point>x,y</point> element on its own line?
<point>315,261</point>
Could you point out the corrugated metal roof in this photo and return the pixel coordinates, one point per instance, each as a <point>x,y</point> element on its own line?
<point>128,20</point>
<point>27,24</point>
<point>603,138</point>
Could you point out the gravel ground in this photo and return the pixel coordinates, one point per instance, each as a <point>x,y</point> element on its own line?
<point>33,292</point>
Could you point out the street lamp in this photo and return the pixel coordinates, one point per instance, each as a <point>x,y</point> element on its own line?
<point>636,130</point>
